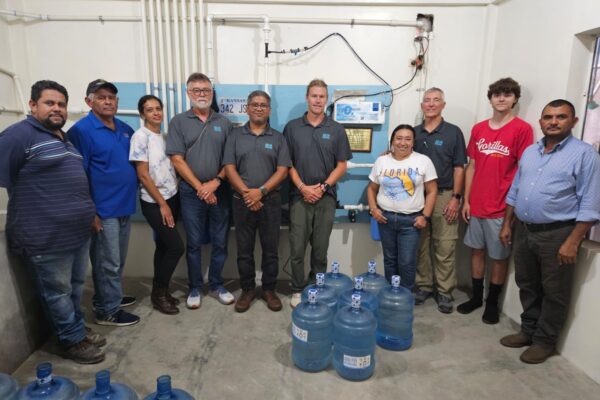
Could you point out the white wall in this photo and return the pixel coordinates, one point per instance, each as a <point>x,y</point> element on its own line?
<point>546,45</point>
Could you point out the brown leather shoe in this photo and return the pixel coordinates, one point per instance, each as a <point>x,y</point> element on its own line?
<point>245,300</point>
<point>516,340</point>
<point>161,302</point>
<point>173,300</point>
<point>537,354</point>
<point>272,300</point>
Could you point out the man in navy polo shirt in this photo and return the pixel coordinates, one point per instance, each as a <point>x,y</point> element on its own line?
<point>319,149</point>
<point>49,215</point>
<point>256,162</point>
<point>103,141</point>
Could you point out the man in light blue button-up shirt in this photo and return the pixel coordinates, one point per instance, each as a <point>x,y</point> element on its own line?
<point>556,199</point>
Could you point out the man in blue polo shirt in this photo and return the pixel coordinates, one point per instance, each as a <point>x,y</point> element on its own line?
<point>556,199</point>
<point>49,215</point>
<point>103,141</point>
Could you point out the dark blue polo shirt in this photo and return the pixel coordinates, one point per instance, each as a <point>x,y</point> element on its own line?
<point>113,180</point>
<point>256,157</point>
<point>49,205</point>
<point>315,151</point>
<point>446,148</point>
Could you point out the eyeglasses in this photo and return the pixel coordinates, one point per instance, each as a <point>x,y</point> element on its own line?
<point>257,106</point>
<point>203,91</point>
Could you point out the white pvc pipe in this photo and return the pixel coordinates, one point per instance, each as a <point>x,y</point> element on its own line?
<point>82,18</point>
<point>266,31</point>
<point>350,165</point>
<point>194,35</point>
<point>186,56</point>
<point>17,83</point>
<point>153,50</point>
<point>11,110</point>
<point>328,21</point>
<point>170,87</point>
<point>202,57</point>
<point>209,47</point>
<point>161,53</point>
<point>177,87</point>
<point>355,207</point>
<point>145,46</point>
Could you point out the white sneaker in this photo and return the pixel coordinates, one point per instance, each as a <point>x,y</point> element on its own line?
<point>222,295</point>
<point>194,299</point>
<point>295,299</point>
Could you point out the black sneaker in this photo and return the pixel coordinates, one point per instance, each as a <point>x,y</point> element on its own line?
<point>120,318</point>
<point>444,303</point>
<point>85,352</point>
<point>94,337</point>
<point>421,296</point>
<point>127,301</point>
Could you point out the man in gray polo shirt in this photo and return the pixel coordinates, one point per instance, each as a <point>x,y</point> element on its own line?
<point>195,144</point>
<point>319,149</point>
<point>256,162</point>
<point>444,143</point>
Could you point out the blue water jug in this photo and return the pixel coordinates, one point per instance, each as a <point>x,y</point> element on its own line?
<point>395,317</point>
<point>373,282</point>
<point>325,293</point>
<point>48,387</point>
<point>8,387</point>
<point>340,282</point>
<point>165,392</point>
<point>354,341</point>
<point>312,329</point>
<point>105,390</point>
<point>367,299</point>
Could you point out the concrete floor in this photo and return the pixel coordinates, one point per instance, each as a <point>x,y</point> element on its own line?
<point>215,353</point>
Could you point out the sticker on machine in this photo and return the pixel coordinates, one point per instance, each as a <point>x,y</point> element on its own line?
<point>232,105</point>
<point>357,362</point>
<point>299,333</point>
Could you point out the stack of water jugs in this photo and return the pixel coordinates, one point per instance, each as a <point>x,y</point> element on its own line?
<point>340,324</point>
<point>49,387</point>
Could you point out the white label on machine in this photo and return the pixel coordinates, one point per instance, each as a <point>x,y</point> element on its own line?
<point>299,334</point>
<point>366,112</point>
<point>357,362</point>
<point>232,105</point>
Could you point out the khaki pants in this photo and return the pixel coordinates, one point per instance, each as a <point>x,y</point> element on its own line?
<point>437,254</point>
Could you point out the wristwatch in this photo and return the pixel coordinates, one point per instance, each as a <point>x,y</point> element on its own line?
<point>457,196</point>
<point>219,179</point>
<point>263,190</point>
<point>325,186</point>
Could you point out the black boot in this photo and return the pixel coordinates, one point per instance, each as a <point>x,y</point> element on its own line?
<point>491,313</point>
<point>475,301</point>
<point>161,302</point>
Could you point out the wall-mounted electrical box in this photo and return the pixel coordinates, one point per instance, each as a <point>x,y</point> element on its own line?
<point>359,112</point>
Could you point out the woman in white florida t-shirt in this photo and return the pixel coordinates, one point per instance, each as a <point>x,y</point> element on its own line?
<point>402,195</point>
<point>159,199</point>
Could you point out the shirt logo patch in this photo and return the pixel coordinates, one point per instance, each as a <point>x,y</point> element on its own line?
<point>216,128</point>
<point>439,142</point>
<point>126,134</point>
<point>326,136</point>
<point>268,146</point>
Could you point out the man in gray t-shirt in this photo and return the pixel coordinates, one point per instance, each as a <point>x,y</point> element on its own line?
<point>319,149</point>
<point>195,144</point>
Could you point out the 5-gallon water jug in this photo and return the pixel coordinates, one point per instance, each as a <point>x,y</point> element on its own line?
<point>48,387</point>
<point>105,390</point>
<point>395,317</point>
<point>373,282</point>
<point>367,299</point>
<point>354,341</point>
<point>325,293</point>
<point>312,329</point>
<point>165,392</point>
<point>340,282</point>
<point>8,387</point>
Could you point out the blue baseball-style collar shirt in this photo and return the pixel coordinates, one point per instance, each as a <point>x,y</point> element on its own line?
<point>561,185</point>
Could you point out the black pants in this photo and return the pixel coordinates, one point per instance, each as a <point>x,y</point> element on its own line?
<point>544,285</point>
<point>266,221</point>
<point>169,246</point>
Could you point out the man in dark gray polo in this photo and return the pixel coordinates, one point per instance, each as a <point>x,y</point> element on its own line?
<point>256,162</point>
<point>195,143</point>
<point>319,149</point>
<point>444,143</point>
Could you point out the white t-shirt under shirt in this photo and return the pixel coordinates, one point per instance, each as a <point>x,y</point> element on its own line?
<point>150,147</point>
<point>401,183</point>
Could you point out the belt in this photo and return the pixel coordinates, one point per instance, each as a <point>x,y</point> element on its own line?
<point>442,190</point>
<point>549,226</point>
<point>405,215</point>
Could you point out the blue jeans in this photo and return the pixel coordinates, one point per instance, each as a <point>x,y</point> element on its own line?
<point>108,253</point>
<point>400,243</point>
<point>196,214</point>
<point>59,278</point>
